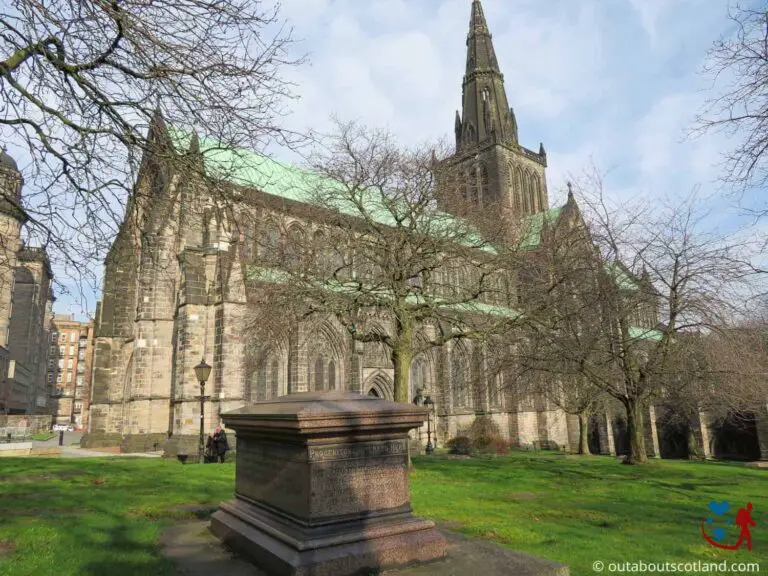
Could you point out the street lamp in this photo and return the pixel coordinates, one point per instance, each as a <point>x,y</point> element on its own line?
<point>202,371</point>
<point>430,406</point>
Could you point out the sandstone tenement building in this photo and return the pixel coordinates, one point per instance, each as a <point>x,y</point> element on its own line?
<point>25,304</point>
<point>177,288</point>
<point>69,369</point>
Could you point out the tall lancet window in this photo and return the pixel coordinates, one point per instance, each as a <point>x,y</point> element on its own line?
<point>331,375</point>
<point>539,194</point>
<point>484,189</point>
<point>318,374</point>
<point>527,193</point>
<point>274,384</point>
<point>532,192</point>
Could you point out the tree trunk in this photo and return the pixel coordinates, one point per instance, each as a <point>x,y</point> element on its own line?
<point>636,432</point>
<point>402,355</point>
<point>584,434</point>
<point>693,444</point>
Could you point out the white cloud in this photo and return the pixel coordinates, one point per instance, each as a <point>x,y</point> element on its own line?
<point>649,12</point>
<point>552,60</point>
<point>390,12</point>
<point>581,76</point>
<point>303,13</point>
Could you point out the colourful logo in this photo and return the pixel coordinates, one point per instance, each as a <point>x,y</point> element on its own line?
<point>719,512</point>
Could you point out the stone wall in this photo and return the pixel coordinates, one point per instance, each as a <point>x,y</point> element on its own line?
<point>34,423</point>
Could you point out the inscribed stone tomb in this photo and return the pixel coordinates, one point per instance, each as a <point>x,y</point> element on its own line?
<point>322,486</point>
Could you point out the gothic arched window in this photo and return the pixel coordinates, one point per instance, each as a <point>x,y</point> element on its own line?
<point>532,192</point>
<point>460,377</point>
<point>466,180</point>
<point>495,386</point>
<point>208,224</point>
<point>294,246</point>
<point>519,190</point>
<point>331,375</point>
<point>275,383</point>
<point>511,192</point>
<point>473,185</point>
<point>264,383</point>
<point>269,240</point>
<point>248,244</point>
<point>261,383</point>
<point>317,376</point>
<point>526,193</point>
<point>328,256</point>
<point>484,189</point>
<point>419,375</point>
<point>538,191</point>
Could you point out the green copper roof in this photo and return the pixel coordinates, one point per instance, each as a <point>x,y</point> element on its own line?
<point>533,224</point>
<point>620,276</point>
<point>645,334</point>
<point>253,170</point>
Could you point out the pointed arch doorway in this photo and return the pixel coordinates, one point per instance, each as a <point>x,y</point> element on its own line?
<point>379,385</point>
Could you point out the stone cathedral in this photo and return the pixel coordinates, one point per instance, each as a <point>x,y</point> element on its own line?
<point>176,291</point>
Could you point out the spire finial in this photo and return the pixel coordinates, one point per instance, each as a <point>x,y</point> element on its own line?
<point>478,16</point>
<point>570,191</point>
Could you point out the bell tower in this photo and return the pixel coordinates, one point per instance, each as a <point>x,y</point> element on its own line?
<point>493,169</point>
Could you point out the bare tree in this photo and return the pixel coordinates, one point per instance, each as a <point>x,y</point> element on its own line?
<point>738,66</point>
<point>79,84</point>
<point>716,375</point>
<point>656,276</point>
<point>378,254</point>
<point>559,283</point>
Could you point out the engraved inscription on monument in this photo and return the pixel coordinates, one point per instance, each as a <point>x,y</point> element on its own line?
<point>366,450</point>
<point>371,476</point>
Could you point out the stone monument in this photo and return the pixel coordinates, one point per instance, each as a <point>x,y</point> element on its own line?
<point>321,486</point>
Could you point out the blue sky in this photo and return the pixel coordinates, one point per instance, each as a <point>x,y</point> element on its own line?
<point>610,82</point>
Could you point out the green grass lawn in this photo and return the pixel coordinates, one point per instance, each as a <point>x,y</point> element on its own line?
<point>43,436</point>
<point>579,510</point>
<point>103,516</point>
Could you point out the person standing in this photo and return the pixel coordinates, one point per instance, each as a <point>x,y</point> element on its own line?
<point>220,444</point>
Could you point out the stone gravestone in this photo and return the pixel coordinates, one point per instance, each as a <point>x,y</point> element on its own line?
<point>321,486</point>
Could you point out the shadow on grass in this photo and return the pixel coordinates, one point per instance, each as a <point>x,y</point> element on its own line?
<point>101,517</point>
<point>126,554</point>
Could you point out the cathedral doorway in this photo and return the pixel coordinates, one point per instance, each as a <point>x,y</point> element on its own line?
<point>379,385</point>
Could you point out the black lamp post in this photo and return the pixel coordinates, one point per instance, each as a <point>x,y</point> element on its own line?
<point>430,406</point>
<point>202,371</point>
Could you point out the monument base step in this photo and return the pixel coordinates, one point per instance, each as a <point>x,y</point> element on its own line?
<point>197,552</point>
<point>339,549</point>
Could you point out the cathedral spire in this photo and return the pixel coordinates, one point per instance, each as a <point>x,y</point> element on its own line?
<point>486,115</point>
<point>479,33</point>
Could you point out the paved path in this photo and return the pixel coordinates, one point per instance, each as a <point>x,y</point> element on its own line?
<point>71,448</point>
<point>70,438</point>
<point>196,552</point>
<point>77,452</point>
